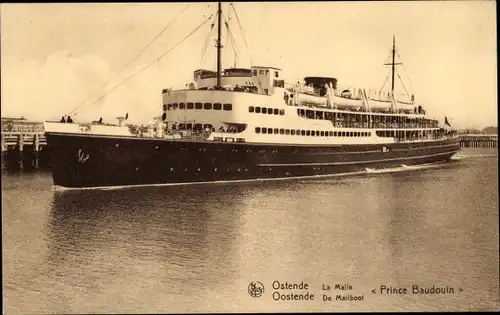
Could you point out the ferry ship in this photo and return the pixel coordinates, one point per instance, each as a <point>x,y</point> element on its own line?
<point>246,124</point>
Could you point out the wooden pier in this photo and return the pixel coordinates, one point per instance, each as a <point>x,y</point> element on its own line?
<point>23,144</point>
<point>478,141</point>
<point>24,149</point>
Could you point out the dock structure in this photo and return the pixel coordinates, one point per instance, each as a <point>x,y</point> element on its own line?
<point>23,144</point>
<point>479,141</point>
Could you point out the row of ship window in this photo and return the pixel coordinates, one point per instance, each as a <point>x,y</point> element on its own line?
<point>265,110</point>
<point>362,119</point>
<point>317,133</point>
<point>208,106</point>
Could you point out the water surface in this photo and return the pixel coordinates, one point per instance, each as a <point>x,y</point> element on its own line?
<point>196,248</point>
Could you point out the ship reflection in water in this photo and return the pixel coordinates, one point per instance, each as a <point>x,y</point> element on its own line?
<point>152,243</point>
<point>197,248</point>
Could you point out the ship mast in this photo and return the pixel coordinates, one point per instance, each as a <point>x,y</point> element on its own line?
<point>393,63</point>
<point>219,45</point>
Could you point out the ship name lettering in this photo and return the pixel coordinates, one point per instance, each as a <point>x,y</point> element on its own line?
<point>432,290</point>
<point>392,290</point>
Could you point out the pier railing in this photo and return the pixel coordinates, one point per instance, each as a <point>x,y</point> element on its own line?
<point>479,141</point>
<point>21,139</point>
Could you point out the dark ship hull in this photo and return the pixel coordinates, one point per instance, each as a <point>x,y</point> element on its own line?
<point>84,161</point>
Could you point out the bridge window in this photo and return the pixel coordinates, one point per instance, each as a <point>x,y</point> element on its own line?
<point>198,105</point>
<point>257,129</point>
<point>190,106</point>
<point>228,106</point>
<point>251,109</point>
<point>182,106</point>
<point>282,131</point>
<point>174,106</point>
<point>264,110</point>
<point>217,106</point>
<point>257,110</point>
<point>276,111</point>
<point>207,106</point>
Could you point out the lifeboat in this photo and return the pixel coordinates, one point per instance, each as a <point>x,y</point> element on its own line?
<point>348,103</point>
<point>310,100</point>
<point>386,106</point>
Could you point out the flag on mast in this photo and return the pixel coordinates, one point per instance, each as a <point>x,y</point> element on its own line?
<point>446,121</point>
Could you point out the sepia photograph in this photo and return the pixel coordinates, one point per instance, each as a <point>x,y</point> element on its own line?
<point>228,157</point>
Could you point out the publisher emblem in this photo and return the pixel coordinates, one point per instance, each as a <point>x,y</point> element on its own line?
<point>255,289</point>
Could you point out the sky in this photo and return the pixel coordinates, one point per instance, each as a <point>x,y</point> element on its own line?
<point>56,57</point>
